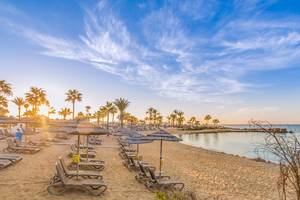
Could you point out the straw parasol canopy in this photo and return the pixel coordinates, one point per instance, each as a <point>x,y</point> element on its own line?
<point>136,138</point>
<point>86,130</point>
<point>13,120</point>
<point>162,135</point>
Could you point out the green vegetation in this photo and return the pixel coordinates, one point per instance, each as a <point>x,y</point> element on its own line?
<point>73,96</point>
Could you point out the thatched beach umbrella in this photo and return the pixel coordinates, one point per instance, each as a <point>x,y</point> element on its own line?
<point>136,138</point>
<point>162,135</point>
<point>86,131</point>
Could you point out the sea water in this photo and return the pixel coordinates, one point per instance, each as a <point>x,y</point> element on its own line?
<point>248,144</point>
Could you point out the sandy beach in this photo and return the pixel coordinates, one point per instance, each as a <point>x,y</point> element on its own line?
<point>208,174</point>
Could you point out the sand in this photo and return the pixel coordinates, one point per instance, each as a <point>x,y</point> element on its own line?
<point>207,173</point>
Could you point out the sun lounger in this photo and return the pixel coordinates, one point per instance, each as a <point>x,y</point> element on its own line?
<point>81,173</point>
<point>13,158</point>
<point>7,133</point>
<point>40,143</point>
<point>62,136</point>
<point>92,160</point>
<point>95,141</point>
<point>144,176</point>
<point>2,135</point>
<point>83,153</point>
<point>84,147</point>
<point>7,160</point>
<point>5,163</point>
<point>156,183</point>
<point>133,164</point>
<point>62,183</point>
<point>12,147</point>
<point>97,166</point>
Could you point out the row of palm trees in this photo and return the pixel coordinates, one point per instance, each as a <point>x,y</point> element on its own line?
<point>153,117</point>
<point>194,122</point>
<point>37,97</point>
<point>176,118</point>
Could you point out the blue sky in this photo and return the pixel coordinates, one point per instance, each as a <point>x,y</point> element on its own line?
<point>236,60</point>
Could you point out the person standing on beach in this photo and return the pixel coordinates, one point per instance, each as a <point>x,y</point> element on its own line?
<point>19,136</point>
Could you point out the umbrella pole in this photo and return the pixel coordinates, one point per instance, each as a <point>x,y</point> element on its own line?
<point>160,159</point>
<point>137,151</point>
<point>78,148</point>
<point>87,148</point>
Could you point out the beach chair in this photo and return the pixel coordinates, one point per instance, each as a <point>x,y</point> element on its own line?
<point>7,160</point>
<point>157,184</point>
<point>62,183</point>
<point>84,147</point>
<point>133,164</point>
<point>10,157</point>
<point>90,154</point>
<point>92,160</point>
<point>62,136</point>
<point>12,147</point>
<point>97,166</point>
<point>7,133</point>
<point>40,143</point>
<point>4,163</point>
<point>95,141</point>
<point>80,173</point>
<point>2,135</point>
<point>144,176</point>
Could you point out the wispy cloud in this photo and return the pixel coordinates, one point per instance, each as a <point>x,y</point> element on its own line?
<point>177,59</point>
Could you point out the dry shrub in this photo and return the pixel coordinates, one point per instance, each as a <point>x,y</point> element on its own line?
<point>286,148</point>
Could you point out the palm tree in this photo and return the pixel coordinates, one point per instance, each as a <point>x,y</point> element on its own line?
<point>5,90</point>
<point>3,106</point>
<point>173,118</point>
<point>207,118</point>
<point>19,101</point>
<point>26,106</point>
<point>159,120</point>
<point>64,112</point>
<point>36,97</point>
<point>98,114</point>
<point>192,121</point>
<point>113,111</point>
<point>73,96</point>
<point>108,107</point>
<point>121,104</point>
<point>155,114</point>
<point>169,119</point>
<point>150,113</point>
<point>103,111</point>
<point>80,116</point>
<point>88,114</point>
<point>180,118</point>
<point>51,111</point>
<point>215,122</point>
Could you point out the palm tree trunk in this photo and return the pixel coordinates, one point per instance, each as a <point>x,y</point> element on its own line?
<point>113,118</point>
<point>73,114</point>
<point>107,120</point>
<point>19,109</point>
<point>98,121</point>
<point>121,119</point>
